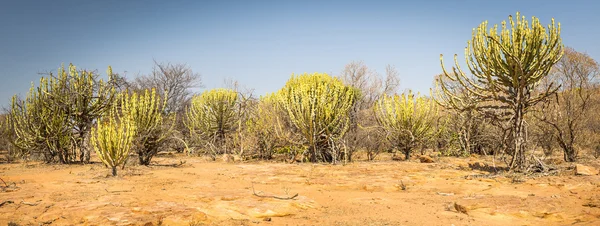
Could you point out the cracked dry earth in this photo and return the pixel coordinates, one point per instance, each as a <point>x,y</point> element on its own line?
<point>362,193</point>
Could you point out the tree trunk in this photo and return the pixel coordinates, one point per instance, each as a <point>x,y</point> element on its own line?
<point>519,161</point>
<point>114,171</point>
<point>144,159</point>
<point>570,154</point>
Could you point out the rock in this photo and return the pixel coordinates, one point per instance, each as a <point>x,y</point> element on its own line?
<point>425,159</point>
<point>200,217</point>
<point>585,170</point>
<point>267,219</point>
<point>460,208</point>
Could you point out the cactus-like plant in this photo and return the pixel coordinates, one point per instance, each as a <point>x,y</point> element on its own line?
<point>505,70</point>
<point>268,128</point>
<point>112,139</point>
<point>318,106</point>
<point>87,98</point>
<point>145,111</point>
<point>57,115</point>
<point>41,127</point>
<point>407,119</point>
<point>213,115</point>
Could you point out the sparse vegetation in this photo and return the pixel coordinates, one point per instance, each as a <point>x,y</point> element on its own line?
<point>522,92</point>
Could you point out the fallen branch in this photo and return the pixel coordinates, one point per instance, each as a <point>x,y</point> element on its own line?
<point>272,196</point>
<point>6,202</point>
<point>49,221</point>
<point>116,191</point>
<point>445,194</point>
<point>47,208</point>
<point>29,203</point>
<point>5,185</point>
<point>402,186</point>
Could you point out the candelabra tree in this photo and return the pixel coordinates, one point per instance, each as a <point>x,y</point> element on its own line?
<point>506,68</point>
<point>145,110</point>
<point>112,139</point>
<point>408,120</point>
<point>318,106</point>
<point>213,116</point>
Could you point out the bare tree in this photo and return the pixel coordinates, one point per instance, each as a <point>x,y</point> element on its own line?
<point>577,74</point>
<point>392,80</point>
<point>465,126</point>
<point>175,80</point>
<point>372,87</point>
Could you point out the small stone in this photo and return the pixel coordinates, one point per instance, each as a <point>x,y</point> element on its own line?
<point>267,219</point>
<point>585,170</point>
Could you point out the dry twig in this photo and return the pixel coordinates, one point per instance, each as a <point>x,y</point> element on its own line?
<point>6,202</point>
<point>272,196</point>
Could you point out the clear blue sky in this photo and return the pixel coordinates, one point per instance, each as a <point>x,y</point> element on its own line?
<point>260,43</point>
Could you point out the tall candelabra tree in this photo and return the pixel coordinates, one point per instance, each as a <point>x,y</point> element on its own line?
<point>506,68</point>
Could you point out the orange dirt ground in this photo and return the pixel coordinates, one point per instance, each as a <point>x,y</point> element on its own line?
<point>201,192</point>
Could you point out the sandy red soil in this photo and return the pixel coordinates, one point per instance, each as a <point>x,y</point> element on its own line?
<point>201,192</point>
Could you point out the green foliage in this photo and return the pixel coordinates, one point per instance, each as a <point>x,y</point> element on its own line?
<point>318,106</point>
<point>86,98</point>
<point>145,111</point>
<point>269,130</point>
<point>213,115</point>
<point>505,70</point>
<point>112,139</point>
<point>408,120</point>
<point>39,126</point>
<point>45,121</point>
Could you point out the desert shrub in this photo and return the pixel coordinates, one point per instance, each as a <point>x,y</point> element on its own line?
<point>112,139</point>
<point>145,111</point>
<point>212,117</point>
<point>269,131</point>
<point>40,127</point>
<point>563,117</point>
<point>408,120</point>
<point>55,117</point>
<point>318,107</point>
<point>6,136</point>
